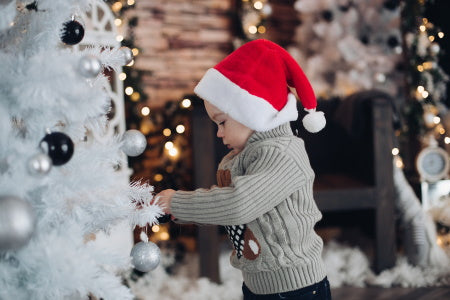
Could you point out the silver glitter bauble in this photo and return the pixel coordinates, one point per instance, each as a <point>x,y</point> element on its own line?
<point>127,55</point>
<point>133,142</point>
<point>145,256</point>
<point>89,66</point>
<point>17,222</point>
<point>39,164</point>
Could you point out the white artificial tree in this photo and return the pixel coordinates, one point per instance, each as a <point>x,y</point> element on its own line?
<point>346,46</point>
<point>59,181</point>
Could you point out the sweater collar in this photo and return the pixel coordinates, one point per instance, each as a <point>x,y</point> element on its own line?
<point>282,130</point>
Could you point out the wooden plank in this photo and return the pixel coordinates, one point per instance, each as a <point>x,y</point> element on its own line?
<point>384,181</point>
<point>205,176</point>
<point>345,199</point>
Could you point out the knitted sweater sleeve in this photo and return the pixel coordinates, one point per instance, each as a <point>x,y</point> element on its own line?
<point>270,177</point>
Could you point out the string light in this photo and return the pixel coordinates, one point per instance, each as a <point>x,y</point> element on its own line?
<point>252,29</point>
<point>168,145</point>
<point>156,228</point>
<point>173,152</point>
<point>186,103</point>
<point>131,63</point>
<point>167,132</point>
<point>158,177</point>
<point>422,28</point>
<point>180,128</point>
<point>258,5</point>
<point>395,151</point>
<point>119,38</point>
<point>135,51</point>
<point>441,35</point>
<point>118,22</point>
<point>135,96</point>
<point>122,76</point>
<point>145,111</point>
<point>130,2</point>
<point>447,140</point>
<point>117,6</point>
<point>129,90</point>
<point>436,120</point>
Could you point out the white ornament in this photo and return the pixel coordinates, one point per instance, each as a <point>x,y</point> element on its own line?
<point>89,66</point>
<point>39,164</point>
<point>17,222</point>
<point>133,142</point>
<point>127,55</point>
<point>145,256</point>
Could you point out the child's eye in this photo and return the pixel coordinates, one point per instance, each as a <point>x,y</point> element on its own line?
<point>221,123</point>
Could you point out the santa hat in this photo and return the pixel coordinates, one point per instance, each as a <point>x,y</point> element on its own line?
<point>251,86</point>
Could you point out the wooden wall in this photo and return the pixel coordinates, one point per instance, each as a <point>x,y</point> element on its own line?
<point>181,39</point>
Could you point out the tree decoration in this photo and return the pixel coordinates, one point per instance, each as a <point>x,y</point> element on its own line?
<point>89,66</point>
<point>127,55</point>
<point>58,146</point>
<point>145,256</point>
<point>133,142</point>
<point>347,46</point>
<point>72,32</point>
<point>17,221</point>
<point>39,164</point>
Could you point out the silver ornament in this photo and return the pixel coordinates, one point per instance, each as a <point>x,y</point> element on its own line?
<point>89,66</point>
<point>39,164</point>
<point>145,256</point>
<point>17,222</point>
<point>127,55</point>
<point>133,142</point>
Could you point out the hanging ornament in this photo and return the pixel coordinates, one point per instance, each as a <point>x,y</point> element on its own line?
<point>58,146</point>
<point>39,164</point>
<point>145,256</point>
<point>72,32</point>
<point>17,222</point>
<point>127,55</point>
<point>89,66</point>
<point>133,142</point>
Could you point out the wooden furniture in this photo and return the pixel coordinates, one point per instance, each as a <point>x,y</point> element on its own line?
<point>352,159</point>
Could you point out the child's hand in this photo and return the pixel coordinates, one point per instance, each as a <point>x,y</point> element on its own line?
<point>164,199</point>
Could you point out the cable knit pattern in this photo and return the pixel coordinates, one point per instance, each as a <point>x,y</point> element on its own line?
<point>271,193</point>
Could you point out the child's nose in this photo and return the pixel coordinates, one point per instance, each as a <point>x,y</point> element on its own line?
<point>219,133</point>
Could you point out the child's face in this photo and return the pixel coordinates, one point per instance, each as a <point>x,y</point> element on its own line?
<point>233,134</point>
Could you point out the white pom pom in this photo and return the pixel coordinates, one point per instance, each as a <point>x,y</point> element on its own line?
<point>314,121</point>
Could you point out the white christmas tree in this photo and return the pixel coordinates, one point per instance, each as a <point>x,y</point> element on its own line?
<point>60,178</point>
<point>346,46</point>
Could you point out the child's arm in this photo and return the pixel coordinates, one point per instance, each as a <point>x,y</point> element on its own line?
<point>270,178</point>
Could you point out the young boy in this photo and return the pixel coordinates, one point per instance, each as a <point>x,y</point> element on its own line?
<point>264,195</point>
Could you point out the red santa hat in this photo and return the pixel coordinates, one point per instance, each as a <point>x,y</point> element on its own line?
<point>251,86</point>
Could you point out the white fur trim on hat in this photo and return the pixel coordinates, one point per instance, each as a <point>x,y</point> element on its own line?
<point>250,110</point>
<point>314,121</point>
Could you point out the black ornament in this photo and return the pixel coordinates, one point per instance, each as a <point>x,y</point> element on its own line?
<point>327,15</point>
<point>72,32</point>
<point>391,4</point>
<point>164,219</point>
<point>392,41</point>
<point>58,146</point>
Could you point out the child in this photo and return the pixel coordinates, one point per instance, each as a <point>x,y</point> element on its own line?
<point>264,195</point>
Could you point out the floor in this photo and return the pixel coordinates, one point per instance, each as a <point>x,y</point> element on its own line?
<point>374,293</point>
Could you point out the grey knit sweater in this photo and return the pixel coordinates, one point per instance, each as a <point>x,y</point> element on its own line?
<point>264,198</point>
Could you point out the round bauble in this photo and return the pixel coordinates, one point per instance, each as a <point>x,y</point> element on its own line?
<point>17,222</point>
<point>89,66</point>
<point>133,142</point>
<point>127,55</point>
<point>58,146</point>
<point>145,256</point>
<point>72,32</point>
<point>39,164</point>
